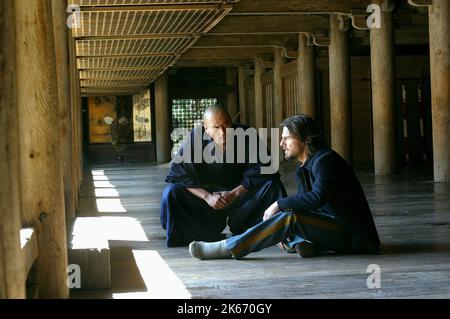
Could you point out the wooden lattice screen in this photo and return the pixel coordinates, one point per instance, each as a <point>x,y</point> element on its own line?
<point>123,46</point>
<point>290,95</point>
<point>290,89</point>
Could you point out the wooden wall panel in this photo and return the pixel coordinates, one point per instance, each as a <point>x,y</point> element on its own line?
<point>12,279</point>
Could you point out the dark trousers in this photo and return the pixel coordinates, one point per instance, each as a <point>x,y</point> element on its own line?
<point>186,217</point>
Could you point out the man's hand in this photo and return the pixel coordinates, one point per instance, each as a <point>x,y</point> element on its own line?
<point>216,201</point>
<point>219,200</point>
<point>213,200</point>
<point>271,211</point>
<point>229,197</point>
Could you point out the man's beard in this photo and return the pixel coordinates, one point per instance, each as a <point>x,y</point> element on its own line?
<point>289,157</point>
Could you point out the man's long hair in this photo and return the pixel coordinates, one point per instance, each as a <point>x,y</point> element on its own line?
<point>304,127</point>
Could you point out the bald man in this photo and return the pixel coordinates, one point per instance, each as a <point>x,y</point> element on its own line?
<point>205,193</point>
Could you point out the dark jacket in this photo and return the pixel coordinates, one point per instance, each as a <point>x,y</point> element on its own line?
<point>328,185</point>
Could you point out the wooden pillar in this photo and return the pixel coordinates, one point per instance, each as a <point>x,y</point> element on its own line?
<point>306,76</point>
<point>259,109</point>
<point>63,76</point>
<point>72,70</point>
<point>41,183</point>
<point>242,103</point>
<point>279,60</point>
<point>383,94</point>
<point>79,133</point>
<point>76,113</point>
<point>74,132</point>
<point>78,130</point>
<point>231,82</point>
<point>439,19</point>
<point>340,101</point>
<point>12,281</point>
<point>162,119</point>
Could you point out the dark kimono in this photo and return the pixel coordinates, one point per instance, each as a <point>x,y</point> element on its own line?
<point>186,217</point>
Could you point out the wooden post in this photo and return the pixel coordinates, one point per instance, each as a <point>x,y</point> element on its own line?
<point>78,129</point>
<point>439,19</point>
<point>231,82</point>
<point>74,107</point>
<point>41,183</point>
<point>306,76</point>
<point>79,132</point>
<point>259,113</point>
<point>279,59</point>
<point>383,94</point>
<point>162,119</point>
<point>63,76</point>
<point>242,104</point>
<point>72,70</point>
<point>340,102</point>
<point>12,281</point>
<point>76,114</point>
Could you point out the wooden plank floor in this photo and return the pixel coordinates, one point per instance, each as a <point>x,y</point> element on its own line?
<point>412,214</point>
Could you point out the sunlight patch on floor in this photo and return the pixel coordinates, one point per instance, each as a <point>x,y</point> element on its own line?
<point>103,184</point>
<point>106,192</point>
<point>94,232</point>
<point>160,280</point>
<point>100,178</point>
<point>110,205</point>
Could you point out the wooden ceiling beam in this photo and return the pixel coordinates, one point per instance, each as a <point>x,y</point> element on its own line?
<point>84,94</point>
<point>223,53</point>
<point>289,41</point>
<point>205,63</point>
<point>220,52</point>
<point>245,7</point>
<point>270,24</point>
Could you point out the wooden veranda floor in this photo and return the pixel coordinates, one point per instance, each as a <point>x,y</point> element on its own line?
<point>412,214</point>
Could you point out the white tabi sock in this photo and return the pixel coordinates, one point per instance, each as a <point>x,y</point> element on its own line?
<point>214,250</point>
